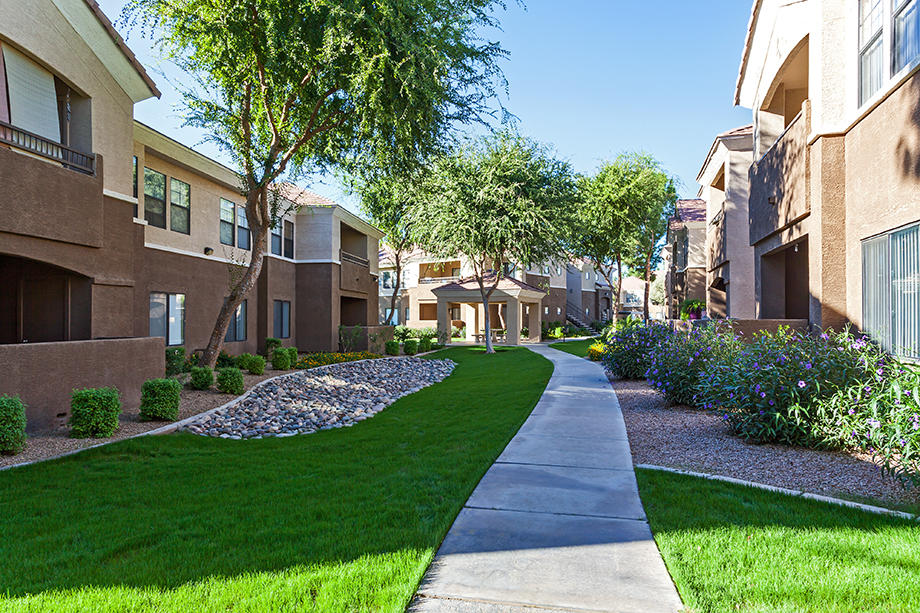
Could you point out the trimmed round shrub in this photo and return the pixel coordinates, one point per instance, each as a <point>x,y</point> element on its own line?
<point>12,424</point>
<point>175,361</point>
<point>424,345</point>
<point>392,347</point>
<point>292,355</point>
<point>225,360</point>
<point>257,365</point>
<point>630,347</point>
<point>230,380</point>
<point>244,360</point>
<point>94,412</point>
<point>410,347</point>
<point>271,343</point>
<point>281,359</point>
<point>160,399</point>
<point>202,377</point>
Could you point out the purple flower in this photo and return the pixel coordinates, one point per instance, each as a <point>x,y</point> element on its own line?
<point>873,423</point>
<point>808,366</point>
<point>852,411</point>
<point>802,383</point>
<point>763,394</point>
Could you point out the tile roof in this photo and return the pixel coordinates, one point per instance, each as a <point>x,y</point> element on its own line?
<point>689,210</point>
<point>303,196</point>
<point>742,131</point>
<point>505,283</point>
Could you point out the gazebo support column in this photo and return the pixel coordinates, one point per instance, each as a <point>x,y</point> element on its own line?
<point>513,321</point>
<point>535,322</point>
<point>443,318</point>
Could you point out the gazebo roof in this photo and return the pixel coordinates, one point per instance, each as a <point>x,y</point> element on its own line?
<point>506,286</point>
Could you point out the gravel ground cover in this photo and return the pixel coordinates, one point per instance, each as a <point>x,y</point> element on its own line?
<point>680,437</point>
<point>327,397</point>
<point>43,445</point>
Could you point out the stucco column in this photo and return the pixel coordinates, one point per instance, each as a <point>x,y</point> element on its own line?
<point>535,321</point>
<point>443,317</point>
<point>513,321</point>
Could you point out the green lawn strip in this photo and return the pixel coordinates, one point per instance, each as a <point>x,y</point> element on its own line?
<point>340,520</point>
<point>579,348</point>
<point>730,547</point>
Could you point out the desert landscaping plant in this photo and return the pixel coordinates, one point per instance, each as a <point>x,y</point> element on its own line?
<point>202,377</point>
<point>293,354</point>
<point>392,347</point>
<point>12,424</point>
<point>631,347</point>
<point>410,347</point>
<point>160,399</point>
<point>256,365</point>
<point>230,380</point>
<point>175,361</point>
<point>271,343</point>
<point>281,359</point>
<point>94,412</point>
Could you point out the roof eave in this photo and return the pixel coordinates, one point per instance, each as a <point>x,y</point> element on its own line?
<point>746,54</point>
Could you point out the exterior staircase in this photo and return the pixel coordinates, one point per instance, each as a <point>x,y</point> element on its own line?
<point>574,315</point>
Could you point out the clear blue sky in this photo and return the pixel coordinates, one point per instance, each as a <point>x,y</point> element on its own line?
<point>592,78</point>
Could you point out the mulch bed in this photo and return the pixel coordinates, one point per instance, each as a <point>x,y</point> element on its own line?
<point>688,439</point>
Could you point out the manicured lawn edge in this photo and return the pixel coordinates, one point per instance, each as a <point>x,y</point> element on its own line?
<point>781,490</point>
<point>578,347</point>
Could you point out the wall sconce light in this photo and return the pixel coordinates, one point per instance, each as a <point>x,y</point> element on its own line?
<point>772,200</point>
<point>796,248</point>
<point>208,251</point>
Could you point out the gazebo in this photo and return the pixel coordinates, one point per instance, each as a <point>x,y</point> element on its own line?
<point>515,303</point>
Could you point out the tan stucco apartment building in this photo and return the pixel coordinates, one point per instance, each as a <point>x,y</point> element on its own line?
<point>685,255</point>
<point>116,240</point>
<point>724,187</point>
<point>835,180</point>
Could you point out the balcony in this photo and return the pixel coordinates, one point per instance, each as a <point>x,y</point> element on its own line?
<point>353,259</point>
<point>355,274</point>
<point>779,187</point>
<point>47,148</point>
<point>438,280</point>
<point>715,239</point>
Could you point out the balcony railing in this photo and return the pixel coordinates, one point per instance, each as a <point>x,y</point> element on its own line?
<point>438,279</point>
<point>354,259</point>
<point>47,148</point>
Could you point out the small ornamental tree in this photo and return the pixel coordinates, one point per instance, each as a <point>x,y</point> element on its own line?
<point>501,200</point>
<point>287,87</point>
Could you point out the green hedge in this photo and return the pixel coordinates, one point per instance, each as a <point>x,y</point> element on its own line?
<point>424,345</point>
<point>175,361</point>
<point>12,424</point>
<point>392,347</point>
<point>94,412</point>
<point>292,355</point>
<point>244,360</point>
<point>281,359</point>
<point>202,377</point>
<point>257,365</point>
<point>410,347</point>
<point>230,380</point>
<point>271,343</point>
<point>160,399</point>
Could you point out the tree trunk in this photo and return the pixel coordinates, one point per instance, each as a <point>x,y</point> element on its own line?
<point>487,323</point>
<point>648,283</point>
<point>397,284</point>
<point>237,293</point>
<point>616,312</point>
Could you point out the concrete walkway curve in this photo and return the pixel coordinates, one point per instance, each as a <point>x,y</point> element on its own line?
<point>556,523</point>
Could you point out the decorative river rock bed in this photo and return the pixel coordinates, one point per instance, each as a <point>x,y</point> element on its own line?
<point>321,398</point>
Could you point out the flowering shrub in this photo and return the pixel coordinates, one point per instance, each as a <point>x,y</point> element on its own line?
<point>596,351</point>
<point>631,347</point>
<point>312,360</point>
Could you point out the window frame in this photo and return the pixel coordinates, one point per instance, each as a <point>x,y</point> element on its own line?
<point>288,241</point>
<point>224,204</point>
<point>864,48</point>
<point>169,299</point>
<point>187,207</point>
<point>898,8</point>
<point>135,186</point>
<point>285,321</point>
<point>242,229</point>
<point>241,313</point>
<point>147,212</point>
<point>276,233</point>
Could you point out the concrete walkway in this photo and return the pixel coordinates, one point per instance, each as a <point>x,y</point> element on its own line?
<point>556,523</point>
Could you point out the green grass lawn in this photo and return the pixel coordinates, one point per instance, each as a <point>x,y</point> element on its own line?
<point>340,520</point>
<point>579,348</point>
<point>734,548</point>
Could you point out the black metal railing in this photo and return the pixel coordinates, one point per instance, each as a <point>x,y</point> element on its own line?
<point>354,259</point>
<point>47,148</point>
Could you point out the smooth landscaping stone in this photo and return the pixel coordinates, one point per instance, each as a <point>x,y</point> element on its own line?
<point>563,451</point>
<point>559,489</point>
<point>547,560</point>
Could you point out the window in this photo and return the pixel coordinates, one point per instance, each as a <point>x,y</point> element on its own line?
<point>871,63</point>
<point>179,201</point>
<point>906,38</point>
<point>891,290</point>
<point>546,270</point>
<point>407,313</point>
<point>167,317</point>
<point>546,310</point>
<point>227,219</point>
<point>243,236</point>
<point>155,198</point>
<point>455,272</point>
<point>276,238</point>
<point>388,316</point>
<point>289,239</point>
<point>387,280</point>
<point>237,330</point>
<point>282,319</point>
<point>558,270</point>
<point>135,185</point>
<point>558,310</point>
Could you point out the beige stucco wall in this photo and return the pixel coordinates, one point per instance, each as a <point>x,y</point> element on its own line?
<point>40,30</point>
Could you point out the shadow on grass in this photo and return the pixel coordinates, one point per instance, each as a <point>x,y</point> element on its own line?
<point>371,502</point>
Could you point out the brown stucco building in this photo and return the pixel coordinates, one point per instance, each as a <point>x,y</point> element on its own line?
<point>116,241</point>
<point>835,182</point>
